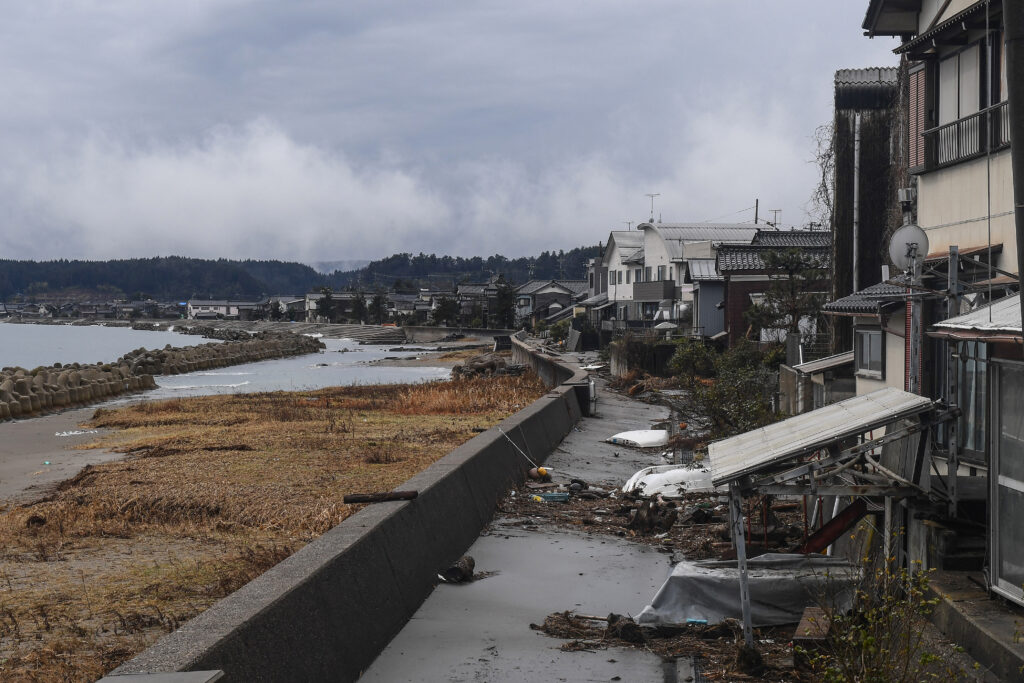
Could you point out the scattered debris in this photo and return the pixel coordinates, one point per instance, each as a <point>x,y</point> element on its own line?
<point>460,572</point>
<point>641,438</point>
<point>624,628</point>
<point>714,646</point>
<point>539,474</point>
<point>354,498</point>
<point>486,364</point>
<point>670,481</point>
<point>653,515</point>
<point>553,497</point>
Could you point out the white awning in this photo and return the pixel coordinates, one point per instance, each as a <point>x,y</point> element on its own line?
<point>745,454</point>
<point>822,364</point>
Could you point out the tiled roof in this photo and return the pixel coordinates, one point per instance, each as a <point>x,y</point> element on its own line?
<point>576,287</point>
<point>596,300</point>
<point>472,288</point>
<point>735,257</point>
<point>793,238</point>
<point>868,300</point>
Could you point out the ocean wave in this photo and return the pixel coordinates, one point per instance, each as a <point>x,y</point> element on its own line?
<point>184,387</point>
<point>222,374</point>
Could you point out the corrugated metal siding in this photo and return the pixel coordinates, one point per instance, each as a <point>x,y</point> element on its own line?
<point>1005,316</point>
<point>916,121</point>
<point>747,453</point>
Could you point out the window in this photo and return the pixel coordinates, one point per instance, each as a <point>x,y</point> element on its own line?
<point>868,352</point>
<point>647,274</point>
<point>638,277</point>
<point>959,85</point>
<point>972,373</point>
<point>670,274</point>
<point>620,276</point>
<point>627,277</point>
<point>661,273</point>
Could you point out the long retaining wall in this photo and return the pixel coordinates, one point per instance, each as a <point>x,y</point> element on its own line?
<point>326,612</point>
<point>422,334</point>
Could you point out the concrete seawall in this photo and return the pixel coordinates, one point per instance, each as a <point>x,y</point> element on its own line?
<point>326,612</point>
<point>422,334</point>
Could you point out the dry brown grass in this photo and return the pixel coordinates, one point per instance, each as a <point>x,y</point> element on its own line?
<point>212,492</point>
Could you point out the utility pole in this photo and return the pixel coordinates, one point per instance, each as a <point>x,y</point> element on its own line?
<point>1013,26</point>
<point>652,195</point>
<point>756,203</point>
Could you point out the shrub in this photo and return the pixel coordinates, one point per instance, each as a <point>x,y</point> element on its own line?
<point>560,330</point>
<point>881,637</point>
<point>693,357</point>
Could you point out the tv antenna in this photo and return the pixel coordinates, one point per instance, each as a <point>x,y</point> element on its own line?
<point>775,216</point>
<point>652,195</point>
<point>629,225</point>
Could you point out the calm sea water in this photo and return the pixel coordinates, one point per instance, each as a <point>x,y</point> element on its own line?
<point>344,361</point>
<point>30,346</point>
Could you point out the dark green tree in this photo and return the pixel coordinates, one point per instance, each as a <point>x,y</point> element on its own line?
<point>378,308</point>
<point>503,315</point>
<point>359,307</point>
<point>798,280</point>
<point>446,311</point>
<point>325,307</point>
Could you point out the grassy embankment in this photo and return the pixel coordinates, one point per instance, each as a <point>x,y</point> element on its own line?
<point>212,492</point>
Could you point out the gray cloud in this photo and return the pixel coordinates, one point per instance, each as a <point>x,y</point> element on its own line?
<point>319,130</point>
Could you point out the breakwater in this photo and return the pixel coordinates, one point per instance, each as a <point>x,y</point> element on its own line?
<point>26,393</point>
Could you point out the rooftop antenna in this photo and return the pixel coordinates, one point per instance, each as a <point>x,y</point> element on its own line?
<point>775,217</point>
<point>652,195</point>
<point>629,225</point>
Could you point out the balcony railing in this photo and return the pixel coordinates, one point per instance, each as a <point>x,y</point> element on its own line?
<point>655,290</point>
<point>967,138</point>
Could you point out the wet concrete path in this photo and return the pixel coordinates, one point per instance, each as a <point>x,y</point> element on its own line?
<point>481,631</point>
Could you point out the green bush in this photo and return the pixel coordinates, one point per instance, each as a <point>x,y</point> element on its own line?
<point>693,358</point>
<point>560,330</point>
<point>882,637</point>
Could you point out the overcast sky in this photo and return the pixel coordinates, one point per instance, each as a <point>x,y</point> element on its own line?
<point>325,130</point>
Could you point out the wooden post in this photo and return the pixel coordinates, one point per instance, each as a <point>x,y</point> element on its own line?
<point>736,519</point>
<point>952,400</point>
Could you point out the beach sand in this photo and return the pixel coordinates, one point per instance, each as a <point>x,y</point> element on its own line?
<point>27,445</point>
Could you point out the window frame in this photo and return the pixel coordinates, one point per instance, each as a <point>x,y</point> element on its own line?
<point>860,370</point>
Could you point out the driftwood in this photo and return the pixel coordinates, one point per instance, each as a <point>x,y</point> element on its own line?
<point>353,498</point>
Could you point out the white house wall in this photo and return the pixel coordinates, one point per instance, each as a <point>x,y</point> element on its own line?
<point>953,209</point>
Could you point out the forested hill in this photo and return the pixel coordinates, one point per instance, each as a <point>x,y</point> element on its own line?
<point>441,271</point>
<point>179,278</point>
<point>164,278</point>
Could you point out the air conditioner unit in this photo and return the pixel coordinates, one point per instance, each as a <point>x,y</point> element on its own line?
<point>906,195</point>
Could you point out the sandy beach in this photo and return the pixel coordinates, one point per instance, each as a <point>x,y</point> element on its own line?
<point>37,453</point>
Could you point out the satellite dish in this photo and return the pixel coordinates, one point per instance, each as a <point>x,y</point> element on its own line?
<point>906,243</point>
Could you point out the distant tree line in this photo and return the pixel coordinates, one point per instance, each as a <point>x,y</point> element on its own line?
<point>177,277</point>
<point>445,271</point>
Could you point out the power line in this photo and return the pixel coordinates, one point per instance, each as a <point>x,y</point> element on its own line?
<point>708,220</point>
